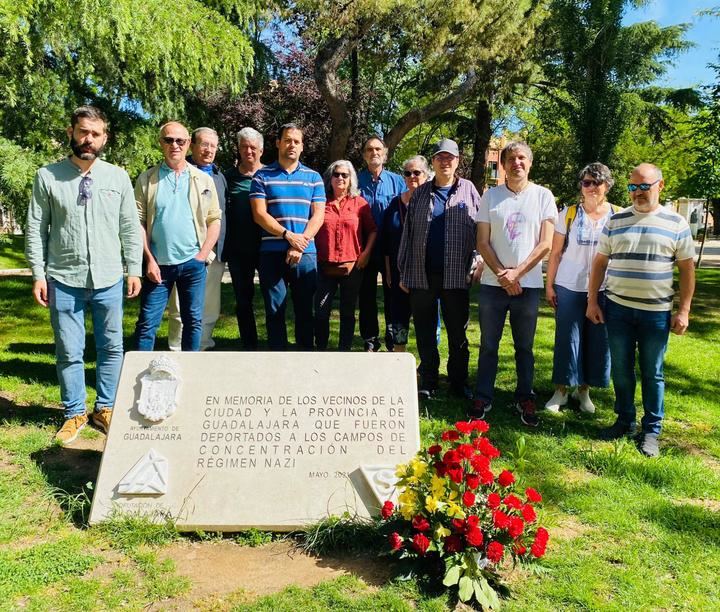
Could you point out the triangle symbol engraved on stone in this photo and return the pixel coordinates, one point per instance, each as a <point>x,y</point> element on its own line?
<point>149,476</point>
<point>382,480</point>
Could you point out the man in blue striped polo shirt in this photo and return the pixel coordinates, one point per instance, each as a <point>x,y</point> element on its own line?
<point>288,203</point>
<point>637,248</point>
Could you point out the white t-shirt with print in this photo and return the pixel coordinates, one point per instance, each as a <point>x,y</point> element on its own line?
<point>515,222</point>
<point>574,270</point>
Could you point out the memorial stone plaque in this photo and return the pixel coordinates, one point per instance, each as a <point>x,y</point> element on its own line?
<point>227,441</point>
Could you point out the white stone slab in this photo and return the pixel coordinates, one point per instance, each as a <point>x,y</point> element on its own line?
<point>266,440</point>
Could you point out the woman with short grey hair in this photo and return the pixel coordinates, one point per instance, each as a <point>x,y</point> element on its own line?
<point>344,244</point>
<point>416,171</point>
<point>582,356</point>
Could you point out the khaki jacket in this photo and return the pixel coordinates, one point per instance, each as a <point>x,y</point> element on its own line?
<point>203,201</point>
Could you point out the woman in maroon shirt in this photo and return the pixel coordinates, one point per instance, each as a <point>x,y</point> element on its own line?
<point>344,244</point>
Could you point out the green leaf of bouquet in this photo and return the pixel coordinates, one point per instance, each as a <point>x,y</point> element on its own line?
<point>480,595</point>
<point>491,595</point>
<point>452,576</point>
<point>466,588</point>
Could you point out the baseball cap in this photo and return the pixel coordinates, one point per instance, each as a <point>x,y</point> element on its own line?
<point>446,146</point>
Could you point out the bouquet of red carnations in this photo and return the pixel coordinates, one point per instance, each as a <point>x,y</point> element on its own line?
<point>454,510</point>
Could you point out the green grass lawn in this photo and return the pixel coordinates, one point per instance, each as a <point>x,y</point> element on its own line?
<point>11,252</point>
<point>627,532</point>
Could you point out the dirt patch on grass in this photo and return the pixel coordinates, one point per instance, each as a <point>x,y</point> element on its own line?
<point>696,451</point>
<point>217,569</point>
<point>708,504</point>
<point>568,529</point>
<point>575,476</point>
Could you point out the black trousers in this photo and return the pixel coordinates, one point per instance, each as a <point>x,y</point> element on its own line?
<point>242,268</point>
<point>369,328</point>
<point>455,307</point>
<point>326,288</point>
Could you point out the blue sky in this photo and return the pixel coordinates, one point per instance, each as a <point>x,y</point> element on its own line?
<point>690,68</point>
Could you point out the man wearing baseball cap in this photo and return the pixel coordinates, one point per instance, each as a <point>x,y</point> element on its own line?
<point>436,251</point>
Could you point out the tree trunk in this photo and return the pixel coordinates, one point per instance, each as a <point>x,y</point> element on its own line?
<point>416,116</point>
<point>483,131</point>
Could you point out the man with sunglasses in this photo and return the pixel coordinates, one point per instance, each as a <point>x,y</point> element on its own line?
<point>378,186</point>
<point>180,217</point>
<point>203,148</point>
<point>82,226</point>
<point>637,249</point>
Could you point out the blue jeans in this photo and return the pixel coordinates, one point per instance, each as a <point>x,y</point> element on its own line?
<point>275,278</point>
<point>648,331</point>
<point>581,355</point>
<point>190,278</point>
<point>493,305</point>
<point>67,316</point>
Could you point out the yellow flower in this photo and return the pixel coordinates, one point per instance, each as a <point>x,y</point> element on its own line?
<point>453,510</point>
<point>407,511</point>
<point>442,532</point>
<point>433,503</point>
<point>418,467</point>
<point>437,486</point>
<point>400,470</point>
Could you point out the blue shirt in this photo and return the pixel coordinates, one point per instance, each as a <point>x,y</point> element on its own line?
<point>173,239</point>
<point>435,254</point>
<point>379,193</point>
<point>289,197</point>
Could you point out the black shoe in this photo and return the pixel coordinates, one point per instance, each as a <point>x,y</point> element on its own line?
<point>479,410</point>
<point>426,394</point>
<point>526,408</point>
<point>372,345</point>
<point>618,429</point>
<point>648,444</point>
<point>461,391</point>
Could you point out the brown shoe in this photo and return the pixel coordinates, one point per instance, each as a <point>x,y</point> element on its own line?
<point>100,419</point>
<point>71,428</point>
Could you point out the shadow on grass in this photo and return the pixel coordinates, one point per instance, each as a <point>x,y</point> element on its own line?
<point>36,415</point>
<point>686,519</point>
<point>72,473</point>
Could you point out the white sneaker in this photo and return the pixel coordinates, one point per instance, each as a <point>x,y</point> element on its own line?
<point>583,398</point>
<point>558,399</point>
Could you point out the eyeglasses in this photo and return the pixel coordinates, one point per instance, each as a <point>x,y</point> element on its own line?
<point>590,183</point>
<point>409,173</point>
<point>341,175</point>
<point>632,187</point>
<point>180,142</point>
<point>85,191</point>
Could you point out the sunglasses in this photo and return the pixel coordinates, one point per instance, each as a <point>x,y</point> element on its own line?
<point>632,187</point>
<point>85,191</point>
<point>180,142</point>
<point>341,174</point>
<point>409,173</point>
<point>590,183</point>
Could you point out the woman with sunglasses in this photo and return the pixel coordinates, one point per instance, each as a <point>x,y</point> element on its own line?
<point>582,356</point>
<point>397,312</point>
<point>344,244</point>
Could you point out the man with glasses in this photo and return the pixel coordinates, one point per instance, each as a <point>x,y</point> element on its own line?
<point>242,247</point>
<point>82,226</point>
<point>435,253</point>
<point>637,249</point>
<point>516,222</point>
<point>378,186</point>
<point>180,218</point>
<point>288,203</point>
<point>203,148</point>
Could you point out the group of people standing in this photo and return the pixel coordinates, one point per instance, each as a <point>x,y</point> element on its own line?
<point>428,234</point>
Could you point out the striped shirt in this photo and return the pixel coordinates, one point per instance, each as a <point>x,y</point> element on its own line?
<point>289,197</point>
<point>642,248</point>
<point>460,211</point>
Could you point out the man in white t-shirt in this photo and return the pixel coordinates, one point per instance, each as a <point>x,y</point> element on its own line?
<point>515,226</point>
